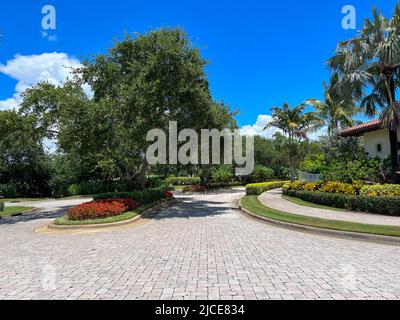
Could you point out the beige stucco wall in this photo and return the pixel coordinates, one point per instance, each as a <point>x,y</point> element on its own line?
<point>371,139</point>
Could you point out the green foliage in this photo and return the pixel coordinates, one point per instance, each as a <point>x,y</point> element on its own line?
<point>140,84</point>
<point>259,188</point>
<point>296,124</point>
<point>379,205</point>
<point>74,190</point>
<point>1,206</point>
<point>24,166</point>
<point>262,173</point>
<point>182,181</point>
<point>9,190</point>
<point>386,190</point>
<point>347,171</point>
<point>141,197</point>
<point>222,174</point>
<point>314,165</point>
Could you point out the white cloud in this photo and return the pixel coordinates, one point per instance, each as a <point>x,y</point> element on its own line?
<point>31,69</point>
<point>257,129</point>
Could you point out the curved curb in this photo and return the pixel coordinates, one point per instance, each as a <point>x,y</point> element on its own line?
<point>20,213</point>
<point>159,206</point>
<point>380,239</point>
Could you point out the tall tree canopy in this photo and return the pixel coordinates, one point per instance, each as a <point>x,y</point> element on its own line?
<point>140,84</point>
<point>369,71</point>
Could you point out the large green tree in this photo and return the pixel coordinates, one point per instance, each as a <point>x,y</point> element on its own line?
<point>24,165</point>
<point>140,84</point>
<point>369,71</point>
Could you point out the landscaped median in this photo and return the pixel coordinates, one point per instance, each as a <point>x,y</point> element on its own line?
<point>114,208</point>
<point>254,206</point>
<point>378,199</point>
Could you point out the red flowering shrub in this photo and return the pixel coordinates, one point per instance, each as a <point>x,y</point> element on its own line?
<point>127,202</point>
<point>96,210</point>
<point>168,194</point>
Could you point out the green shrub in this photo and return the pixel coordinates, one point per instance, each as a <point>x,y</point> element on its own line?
<point>74,190</point>
<point>259,188</point>
<point>347,171</point>
<point>1,206</point>
<point>222,174</point>
<point>379,205</point>
<point>182,181</point>
<point>262,173</point>
<point>381,190</point>
<point>141,197</point>
<point>9,191</point>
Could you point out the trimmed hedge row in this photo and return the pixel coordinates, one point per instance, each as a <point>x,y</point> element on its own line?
<point>259,188</point>
<point>141,197</point>
<point>379,205</point>
<point>1,206</point>
<point>182,181</point>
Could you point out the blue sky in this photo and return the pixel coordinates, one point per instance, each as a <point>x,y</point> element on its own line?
<point>261,53</point>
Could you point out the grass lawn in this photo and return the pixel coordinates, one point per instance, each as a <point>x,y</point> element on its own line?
<point>252,204</point>
<point>14,210</point>
<point>63,220</point>
<point>310,204</point>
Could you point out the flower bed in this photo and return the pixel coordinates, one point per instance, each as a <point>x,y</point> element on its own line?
<point>115,203</point>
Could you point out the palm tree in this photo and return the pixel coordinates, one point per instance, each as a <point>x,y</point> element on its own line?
<point>335,112</point>
<point>295,124</point>
<point>369,71</point>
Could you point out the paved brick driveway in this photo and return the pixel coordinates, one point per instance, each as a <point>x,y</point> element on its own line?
<point>199,249</point>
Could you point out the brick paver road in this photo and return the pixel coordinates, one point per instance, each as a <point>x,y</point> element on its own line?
<point>198,249</point>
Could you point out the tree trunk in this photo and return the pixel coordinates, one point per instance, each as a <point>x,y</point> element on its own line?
<point>393,134</point>
<point>142,175</point>
<point>393,150</point>
<point>205,174</point>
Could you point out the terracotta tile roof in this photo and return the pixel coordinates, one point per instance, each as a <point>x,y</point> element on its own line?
<point>361,128</point>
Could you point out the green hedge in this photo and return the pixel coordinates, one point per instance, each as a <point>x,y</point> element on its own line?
<point>1,206</point>
<point>259,188</point>
<point>182,181</point>
<point>379,205</point>
<point>141,197</point>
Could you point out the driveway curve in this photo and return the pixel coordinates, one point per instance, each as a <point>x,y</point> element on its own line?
<point>201,248</point>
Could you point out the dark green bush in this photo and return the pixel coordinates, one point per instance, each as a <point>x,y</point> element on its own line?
<point>182,181</point>
<point>1,206</point>
<point>259,188</point>
<point>9,191</point>
<point>141,197</point>
<point>262,173</point>
<point>379,205</point>
<point>222,174</point>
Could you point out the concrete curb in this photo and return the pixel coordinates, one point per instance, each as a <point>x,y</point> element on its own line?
<point>380,239</point>
<point>19,214</point>
<point>159,206</point>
